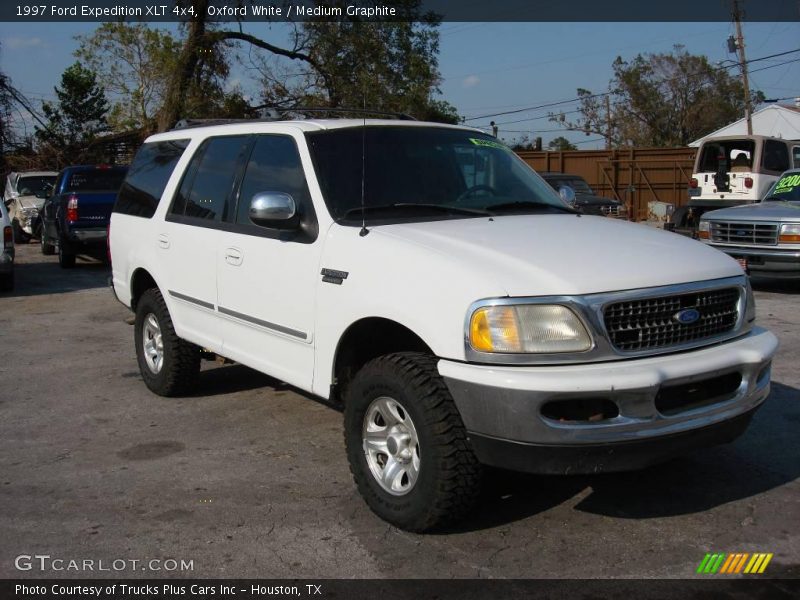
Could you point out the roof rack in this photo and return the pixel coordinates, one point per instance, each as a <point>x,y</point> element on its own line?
<point>275,113</point>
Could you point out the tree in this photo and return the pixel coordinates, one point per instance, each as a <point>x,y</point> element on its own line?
<point>391,66</point>
<point>666,99</point>
<point>79,115</point>
<point>561,143</point>
<point>133,63</point>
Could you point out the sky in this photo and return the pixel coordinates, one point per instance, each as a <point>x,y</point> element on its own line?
<point>486,68</point>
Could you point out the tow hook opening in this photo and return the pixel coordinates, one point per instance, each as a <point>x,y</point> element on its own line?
<point>576,410</point>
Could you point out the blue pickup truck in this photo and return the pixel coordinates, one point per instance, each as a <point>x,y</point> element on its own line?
<point>75,217</point>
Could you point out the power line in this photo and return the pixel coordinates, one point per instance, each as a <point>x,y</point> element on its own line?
<point>600,95</point>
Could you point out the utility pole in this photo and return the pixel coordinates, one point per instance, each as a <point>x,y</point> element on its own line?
<point>608,123</point>
<point>743,63</point>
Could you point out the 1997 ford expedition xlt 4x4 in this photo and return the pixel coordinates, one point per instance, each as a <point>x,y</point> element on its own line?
<point>429,281</point>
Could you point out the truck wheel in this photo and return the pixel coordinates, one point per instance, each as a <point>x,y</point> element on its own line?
<point>7,282</point>
<point>20,235</point>
<point>66,259</point>
<point>406,444</point>
<point>48,249</point>
<point>169,365</point>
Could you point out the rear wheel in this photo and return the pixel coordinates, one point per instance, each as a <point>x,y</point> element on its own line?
<point>48,249</point>
<point>406,444</point>
<point>168,364</point>
<point>66,258</point>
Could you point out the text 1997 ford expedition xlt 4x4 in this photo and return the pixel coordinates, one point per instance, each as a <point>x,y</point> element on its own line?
<point>429,281</point>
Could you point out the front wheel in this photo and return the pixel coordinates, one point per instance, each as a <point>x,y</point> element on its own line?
<point>406,443</point>
<point>20,235</point>
<point>48,249</point>
<point>168,364</point>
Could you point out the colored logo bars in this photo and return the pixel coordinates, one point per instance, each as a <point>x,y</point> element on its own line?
<point>733,563</point>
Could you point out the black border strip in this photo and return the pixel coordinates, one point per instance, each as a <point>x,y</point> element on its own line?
<point>279,328</point>
<point>186,298</point>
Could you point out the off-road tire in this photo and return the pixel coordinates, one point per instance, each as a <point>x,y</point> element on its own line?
<point>449,477</point>
<point>181,358</point>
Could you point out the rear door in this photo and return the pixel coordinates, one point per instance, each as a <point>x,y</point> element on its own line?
<point>189,238</point>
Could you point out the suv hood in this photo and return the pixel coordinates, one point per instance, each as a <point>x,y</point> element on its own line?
<point>772,210</point>
<point>538,255</point>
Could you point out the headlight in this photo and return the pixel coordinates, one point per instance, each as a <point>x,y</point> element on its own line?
<point>790,233</point>
<point>527,328</point>
<point>704,230</point>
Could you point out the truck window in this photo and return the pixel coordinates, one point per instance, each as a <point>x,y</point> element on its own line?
<point>796,157</point>
<point>776,156</point>
<point>723,153</point>
<point>147,177</point>
<point>209,179</point>
<point>98,180</point>
<point>274,166</point>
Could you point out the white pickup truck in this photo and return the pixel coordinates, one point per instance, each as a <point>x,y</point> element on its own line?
<point>430,282</point>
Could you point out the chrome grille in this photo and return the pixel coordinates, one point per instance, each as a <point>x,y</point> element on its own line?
<point>651,323</point>
<point>744,233</point>
<point>612,210</point>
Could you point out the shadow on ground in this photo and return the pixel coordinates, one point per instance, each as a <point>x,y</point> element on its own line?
<point>765,457</point>
<point>37,275</point>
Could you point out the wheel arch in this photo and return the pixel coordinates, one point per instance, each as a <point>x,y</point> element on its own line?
<point>365,339</point>
<point>141,281</point>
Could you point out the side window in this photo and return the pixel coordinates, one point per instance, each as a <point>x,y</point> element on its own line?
<point>776,156</point>
<point>274,166</point>
<point>209,180</point>
<point>796,157</point>
<point>148,175</point>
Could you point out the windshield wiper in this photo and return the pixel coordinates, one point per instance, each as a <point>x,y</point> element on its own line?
<point>455,210</point>
<point>525,204</point>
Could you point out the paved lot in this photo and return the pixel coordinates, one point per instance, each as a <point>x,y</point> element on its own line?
<point>248,478</point>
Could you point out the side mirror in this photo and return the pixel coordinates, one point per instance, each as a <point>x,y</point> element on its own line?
<point>567,194</point>
<point>270,208</point>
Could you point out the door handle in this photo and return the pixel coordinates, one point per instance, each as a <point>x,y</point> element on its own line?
<point>163,241</point>
<point>233,256</point>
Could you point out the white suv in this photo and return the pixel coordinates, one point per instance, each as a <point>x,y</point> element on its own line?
<point>429,281</point>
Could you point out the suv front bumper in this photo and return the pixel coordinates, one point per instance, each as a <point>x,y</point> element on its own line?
<point>770,262</point>
<point>502,407</point>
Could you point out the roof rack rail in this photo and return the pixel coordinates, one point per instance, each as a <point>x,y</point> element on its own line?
<point>275,113</point>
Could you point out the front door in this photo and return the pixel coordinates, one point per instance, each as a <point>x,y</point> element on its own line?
<point>267,273</point>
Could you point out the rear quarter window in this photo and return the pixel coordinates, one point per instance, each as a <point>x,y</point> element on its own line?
<point>147,177</point>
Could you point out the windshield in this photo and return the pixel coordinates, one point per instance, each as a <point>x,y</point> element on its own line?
<point>413,172</point>
<point>98,180</point>
<point>787,188</point>
<point>576,183</point>
<point>33,184</point>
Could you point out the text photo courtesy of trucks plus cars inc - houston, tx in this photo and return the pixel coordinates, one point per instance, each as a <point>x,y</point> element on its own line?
<point>423,298</point>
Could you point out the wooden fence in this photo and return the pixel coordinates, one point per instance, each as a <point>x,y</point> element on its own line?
<point>634,176</point>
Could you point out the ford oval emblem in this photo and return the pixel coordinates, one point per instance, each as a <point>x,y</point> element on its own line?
<point>687,316</point>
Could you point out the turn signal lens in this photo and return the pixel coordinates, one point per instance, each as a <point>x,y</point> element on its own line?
<point>748,182</point>
<point>528,328</point>
<point>703,230</point>
<point>693,183</point>
<point>8,237</point>
<point>790,233</point>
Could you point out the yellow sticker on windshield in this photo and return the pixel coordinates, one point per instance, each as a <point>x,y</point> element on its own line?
<point>489,144</point>
<point>787,184</point>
